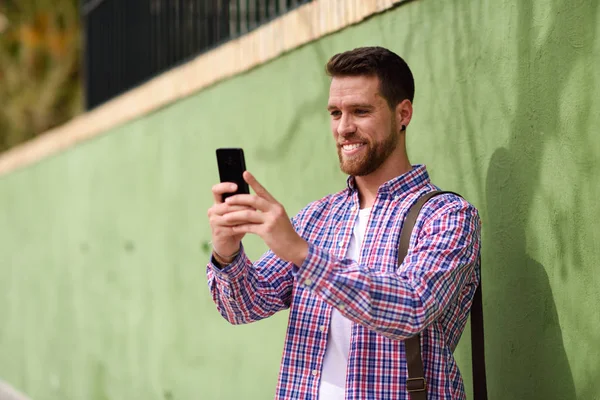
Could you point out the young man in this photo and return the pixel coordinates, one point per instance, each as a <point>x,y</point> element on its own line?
<point>335,264</point>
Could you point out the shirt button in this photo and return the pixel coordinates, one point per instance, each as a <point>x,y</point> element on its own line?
<point>340,243</point>
<point>315,372</point>
<point>322,328</point>
<point>341,306</point>
<point>308,282</point>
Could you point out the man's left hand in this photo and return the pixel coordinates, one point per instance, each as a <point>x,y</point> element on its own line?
<point>267,219</point>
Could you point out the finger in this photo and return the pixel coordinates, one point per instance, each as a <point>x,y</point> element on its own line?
<point>243,217</point>
<point>257,187</point>
<point>223,187</point>
<point>249,200</point>
<point>224,208</point>
<point>222,222</point>
<point>246,228</point>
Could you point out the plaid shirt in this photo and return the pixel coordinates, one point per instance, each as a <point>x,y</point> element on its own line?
<point>431,292</point>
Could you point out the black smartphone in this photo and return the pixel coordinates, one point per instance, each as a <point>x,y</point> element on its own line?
<point>232,165</point>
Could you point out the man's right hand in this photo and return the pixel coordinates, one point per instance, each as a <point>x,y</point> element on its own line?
<point>224,241</point>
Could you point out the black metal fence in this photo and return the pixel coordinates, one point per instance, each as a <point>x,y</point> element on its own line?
<point>128,42</point>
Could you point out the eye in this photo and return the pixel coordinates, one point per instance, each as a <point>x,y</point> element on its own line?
<point>335,113</point>
<point>361,111</point>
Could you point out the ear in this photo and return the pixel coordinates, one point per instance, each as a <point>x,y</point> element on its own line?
<point>403,113</point>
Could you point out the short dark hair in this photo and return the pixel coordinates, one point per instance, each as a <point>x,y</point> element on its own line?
<point>396,82</point>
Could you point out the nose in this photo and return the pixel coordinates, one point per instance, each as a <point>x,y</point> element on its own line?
<point>346,126</point>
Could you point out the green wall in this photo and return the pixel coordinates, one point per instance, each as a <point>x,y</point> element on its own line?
<point>103,292</point>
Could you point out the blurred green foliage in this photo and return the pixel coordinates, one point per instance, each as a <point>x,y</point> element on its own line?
<point>40,50</point>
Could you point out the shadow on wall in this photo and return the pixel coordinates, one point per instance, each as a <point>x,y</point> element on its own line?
<point>525,353</point>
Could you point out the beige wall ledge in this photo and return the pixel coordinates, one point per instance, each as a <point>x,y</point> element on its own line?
<point>300,26</point>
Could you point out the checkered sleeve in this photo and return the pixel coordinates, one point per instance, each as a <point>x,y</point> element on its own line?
<point>442,258</point>
<point>246,292</point>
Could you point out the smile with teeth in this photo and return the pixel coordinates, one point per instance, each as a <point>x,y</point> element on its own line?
<point>353,146</point>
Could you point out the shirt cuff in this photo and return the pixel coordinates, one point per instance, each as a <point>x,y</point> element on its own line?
<point>231,271</point>
<point>316,269</point>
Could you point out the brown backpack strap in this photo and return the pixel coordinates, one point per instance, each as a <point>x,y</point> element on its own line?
<point>478,346</point>
<point>416,384</point>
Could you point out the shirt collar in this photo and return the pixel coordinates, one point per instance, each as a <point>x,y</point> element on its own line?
<point>405,183</point>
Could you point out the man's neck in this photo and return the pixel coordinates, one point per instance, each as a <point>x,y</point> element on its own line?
<point>368,185</point>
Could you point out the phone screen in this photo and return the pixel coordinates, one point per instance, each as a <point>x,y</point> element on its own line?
<point>232,165</point>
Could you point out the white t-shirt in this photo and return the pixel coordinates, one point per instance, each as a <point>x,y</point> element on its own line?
<point>335,363</point>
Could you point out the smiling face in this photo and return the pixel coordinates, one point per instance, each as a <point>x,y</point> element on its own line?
<point>363,125</point>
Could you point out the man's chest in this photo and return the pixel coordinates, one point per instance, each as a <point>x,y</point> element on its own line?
<point>379,245</point>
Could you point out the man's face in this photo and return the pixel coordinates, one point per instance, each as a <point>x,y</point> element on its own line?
<point>362,123</point>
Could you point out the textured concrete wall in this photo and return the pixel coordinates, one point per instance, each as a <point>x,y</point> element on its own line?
<point>102,248</point>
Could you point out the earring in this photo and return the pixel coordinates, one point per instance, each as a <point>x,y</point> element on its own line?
<point>403,128</point>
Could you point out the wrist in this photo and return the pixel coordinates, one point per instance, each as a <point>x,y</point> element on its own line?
<point>224,260</point>
<point>302,253</point>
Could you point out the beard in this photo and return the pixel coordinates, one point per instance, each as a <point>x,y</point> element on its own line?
<point>372,158</point>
